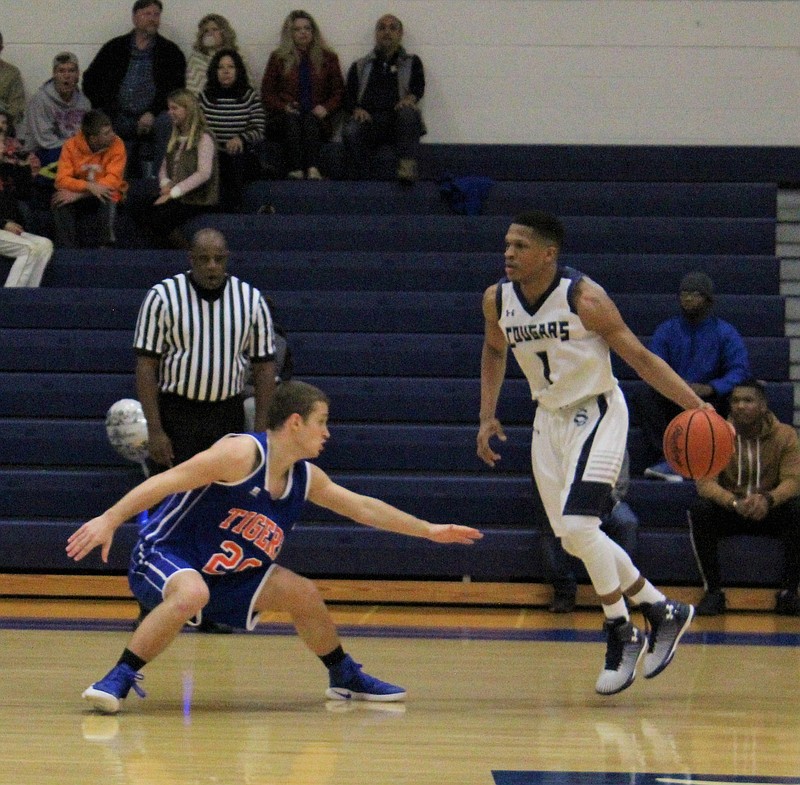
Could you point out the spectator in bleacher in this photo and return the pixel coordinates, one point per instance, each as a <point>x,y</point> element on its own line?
<point>54,114</point>
<point>621,524</point>
<point>189,175</point>
<point>214,32</point>
<point>383,92</point>
<point>130,79</point>
<point>706,351</point>
<point>30,252</point>
<point>235,115</point>
<point>562,327</point>
<point>12,90</point>
<point>89,184</point>
<point>17,165</point>
<point>302,90</point>
<point>757,494</point>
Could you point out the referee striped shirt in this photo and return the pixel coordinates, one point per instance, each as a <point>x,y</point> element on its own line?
<point>204,345</point>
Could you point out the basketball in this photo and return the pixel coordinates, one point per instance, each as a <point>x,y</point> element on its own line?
<point>698,443</point>
<point>126,428</point>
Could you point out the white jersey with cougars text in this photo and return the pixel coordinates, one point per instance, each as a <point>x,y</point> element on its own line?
<point>563,361</point>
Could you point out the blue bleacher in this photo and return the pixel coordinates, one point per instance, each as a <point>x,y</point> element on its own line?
<point>326,353</point>
<point>447,233</point>
<point>370,311</point>
<point>614,163</point>
<point>383,308</point>
<point>690,200</point>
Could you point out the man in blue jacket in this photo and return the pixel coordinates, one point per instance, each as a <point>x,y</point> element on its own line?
<point>706,351</point>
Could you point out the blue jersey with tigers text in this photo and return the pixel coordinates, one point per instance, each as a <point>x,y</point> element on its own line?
<point>226,528</point>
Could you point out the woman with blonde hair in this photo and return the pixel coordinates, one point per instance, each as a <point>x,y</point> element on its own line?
<point>189,174</point>
<point>214,33</point>
<point>302,90</point>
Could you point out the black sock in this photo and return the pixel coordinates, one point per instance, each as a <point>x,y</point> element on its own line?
<point>134,660</point>
<point>333,658</point>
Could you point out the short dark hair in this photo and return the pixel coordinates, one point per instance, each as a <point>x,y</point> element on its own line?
<point>293,397</point>
<point>544,224</point>
<point>140,4</point>
<point>62,58</point>
<point>94,121</point>
<point>754,384</point>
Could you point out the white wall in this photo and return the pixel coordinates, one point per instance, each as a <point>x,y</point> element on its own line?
<point>715,72</point>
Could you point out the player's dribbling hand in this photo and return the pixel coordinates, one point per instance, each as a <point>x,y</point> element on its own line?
<point>97,531</point>
<point>450,532</point>
<point>487,430</point>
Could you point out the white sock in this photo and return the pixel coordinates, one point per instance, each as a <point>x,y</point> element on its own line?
<point>616,610</point>
<point>648,594</point>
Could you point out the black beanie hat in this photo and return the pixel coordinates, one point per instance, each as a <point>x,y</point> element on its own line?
<point>697,282</point>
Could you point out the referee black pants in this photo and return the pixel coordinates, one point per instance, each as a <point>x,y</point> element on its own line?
<point>194,426</point>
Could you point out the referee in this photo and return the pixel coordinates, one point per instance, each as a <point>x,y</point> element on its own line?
<point>195,334</point>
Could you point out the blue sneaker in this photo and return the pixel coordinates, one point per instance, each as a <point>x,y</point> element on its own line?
<point>105,695</point>
<point>665,623</point>
<point>349,682</point>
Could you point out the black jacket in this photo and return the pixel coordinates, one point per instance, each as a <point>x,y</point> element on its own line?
<point>103,77</point>
<point>9,210</point>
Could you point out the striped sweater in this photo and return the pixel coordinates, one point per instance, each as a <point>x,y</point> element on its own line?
<point>229,116</point>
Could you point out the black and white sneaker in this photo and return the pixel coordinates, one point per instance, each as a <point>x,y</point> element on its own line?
<point>626,646</point>
<point>666,622</point>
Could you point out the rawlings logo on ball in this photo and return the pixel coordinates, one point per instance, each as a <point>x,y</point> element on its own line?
<point>674,450</point>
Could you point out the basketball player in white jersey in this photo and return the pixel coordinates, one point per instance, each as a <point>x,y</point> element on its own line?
<point>560,326</point>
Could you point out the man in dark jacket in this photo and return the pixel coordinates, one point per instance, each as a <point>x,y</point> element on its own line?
<point>383,92</point>
<point>130,78</point>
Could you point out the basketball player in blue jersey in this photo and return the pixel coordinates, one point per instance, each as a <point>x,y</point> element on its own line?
<point>209,550</point>
<point>560,326</point>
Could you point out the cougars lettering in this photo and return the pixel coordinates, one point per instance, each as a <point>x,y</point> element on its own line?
<point>534,332</point>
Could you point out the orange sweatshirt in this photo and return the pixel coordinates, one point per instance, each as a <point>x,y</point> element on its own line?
<point>77,165</point>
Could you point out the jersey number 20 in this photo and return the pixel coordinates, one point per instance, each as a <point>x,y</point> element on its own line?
<point>231,561</point>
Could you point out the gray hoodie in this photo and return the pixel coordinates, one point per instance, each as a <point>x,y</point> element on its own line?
<point>49,120</point>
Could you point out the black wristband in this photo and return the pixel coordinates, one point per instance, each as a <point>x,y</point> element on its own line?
<point>770,500</point>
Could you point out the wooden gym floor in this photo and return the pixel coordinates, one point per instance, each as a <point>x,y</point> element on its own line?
<point>497,696</point>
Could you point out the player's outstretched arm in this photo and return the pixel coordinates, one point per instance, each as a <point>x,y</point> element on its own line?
<point>380,515</point>
<point>599,313</point>
<point>226,461</point>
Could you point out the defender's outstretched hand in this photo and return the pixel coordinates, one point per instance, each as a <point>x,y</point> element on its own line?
<point>98,531</point>
<point>450,532</point>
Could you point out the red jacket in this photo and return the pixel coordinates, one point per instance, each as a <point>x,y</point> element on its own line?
<point>280,88</point>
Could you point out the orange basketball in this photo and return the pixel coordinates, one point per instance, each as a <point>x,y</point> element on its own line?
<point>698,443</point>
